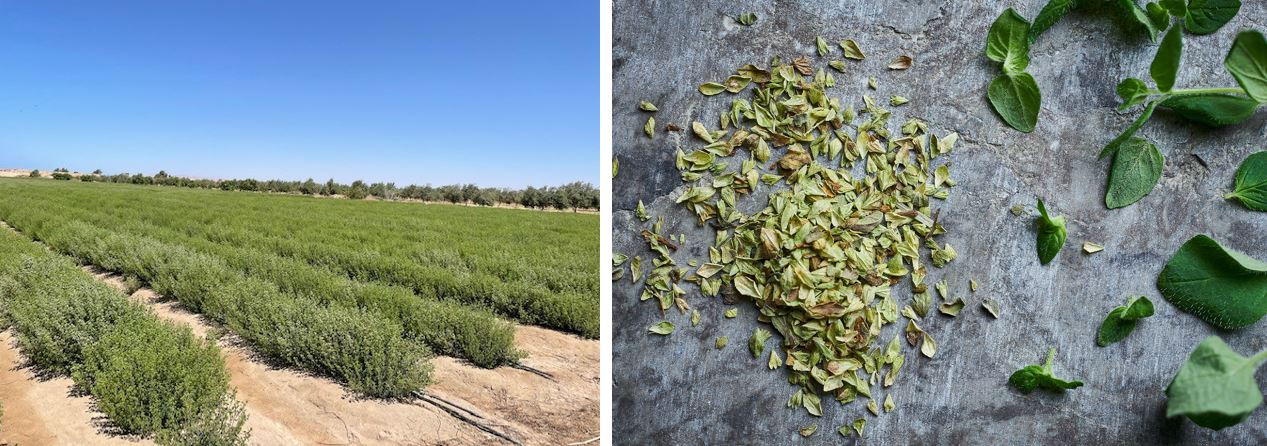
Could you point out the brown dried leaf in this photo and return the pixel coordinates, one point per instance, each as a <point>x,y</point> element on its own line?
<point>901,63</point>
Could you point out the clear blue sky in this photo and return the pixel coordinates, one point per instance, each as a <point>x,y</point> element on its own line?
<point>499,93</point>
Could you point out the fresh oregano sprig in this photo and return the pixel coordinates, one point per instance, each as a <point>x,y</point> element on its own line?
<point>1033,377</point>
<point>1122,320</point>
<point>1015,95</point>
<point>1137,164</point>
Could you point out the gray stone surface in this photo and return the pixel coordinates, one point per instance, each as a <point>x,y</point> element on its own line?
<point>680,390</point>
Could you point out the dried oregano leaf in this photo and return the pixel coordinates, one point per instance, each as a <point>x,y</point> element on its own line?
<point>823,49</point>
<point>808,430</point>
<point>647,106</point>
<point>721,342</point>
<point>732,312</point>
<point>756,343</point>
<point>900,63</point>
<point>662,328</point>
<point>852,50</point>
<point>635,268</point>
<point>649,127</point>
<point>711,88</point>
<point>991,306</point>
<point>952,308</point>
<point>746,19</point>
<point>1092,248</point>
<point>928,347</point>
<point>820,262</point>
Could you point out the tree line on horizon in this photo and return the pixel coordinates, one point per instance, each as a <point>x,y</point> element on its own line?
<point>574,195</point>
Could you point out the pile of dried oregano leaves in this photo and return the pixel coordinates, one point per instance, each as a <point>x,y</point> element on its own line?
<point>845,226</point>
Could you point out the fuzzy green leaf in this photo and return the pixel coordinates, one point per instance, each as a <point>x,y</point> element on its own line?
<point>1015,97</point>
<point>1051,234</point>
<point>1040,377</point>
<point>1132,91</point>
<point>1177,8</point>
<point>1247,61</point>
<point>1048,16</point>
<point>1215,388</point>
<point>1165,65</point>
<point>1136,168</point>
<point>1221,286</point>
<point>1214,110</point>
<point>1121,321</point>
<point>1251,182</point>
<point>1207,16</point>
<point>1007,42</point>
<point>1140,17</point>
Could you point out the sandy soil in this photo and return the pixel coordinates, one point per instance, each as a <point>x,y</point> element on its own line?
<point>289,407</point>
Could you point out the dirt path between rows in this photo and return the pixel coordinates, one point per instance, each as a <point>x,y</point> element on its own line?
<point>285,406</point>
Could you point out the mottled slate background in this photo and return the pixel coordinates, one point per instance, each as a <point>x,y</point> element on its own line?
<point>680,390</point>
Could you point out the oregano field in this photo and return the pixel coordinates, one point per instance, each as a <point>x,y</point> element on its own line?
<point>361,293</point>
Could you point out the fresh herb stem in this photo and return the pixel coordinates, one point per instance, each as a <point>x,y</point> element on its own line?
<point>1254,360</point>
<point>1051,355</point>
<point>1194,91</point>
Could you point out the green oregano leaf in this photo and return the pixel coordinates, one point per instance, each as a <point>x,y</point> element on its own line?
<point>1140,17</point>
<point>1207,16</point>
<point>1251,182</point>
<point>1221,286</point>
<point>1247,61</point>
<point>1215,387</point>
<point>1015,97</point>
<point>1158,15</point>
<point>1048,16</point>
<point>1040,377</point>
<point>1214,110</point>
<point>1136,168</point>
<point>1165,66</point>
<point>1132,91</point>
<point>1008,42</point>
<point>1177,8</point>
<point>1051,234</point>
<point>1121,321</point>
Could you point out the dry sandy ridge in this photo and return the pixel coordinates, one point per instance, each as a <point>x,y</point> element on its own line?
<point>464,405</point>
